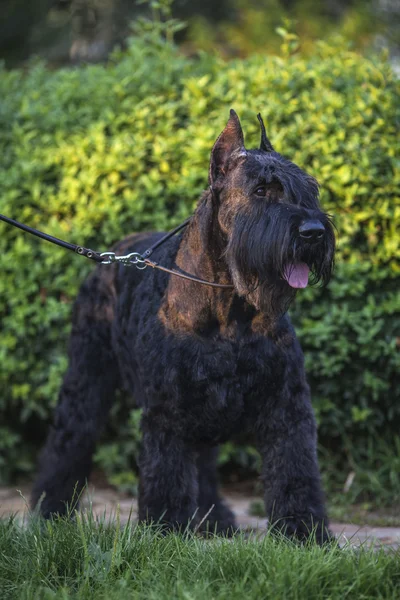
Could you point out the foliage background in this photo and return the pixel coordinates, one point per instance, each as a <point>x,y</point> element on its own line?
<point>86,30</point>
<point>92,153</point>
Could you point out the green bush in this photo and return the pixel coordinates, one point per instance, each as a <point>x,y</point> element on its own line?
<point>92,153</point>
<point>249,26</point>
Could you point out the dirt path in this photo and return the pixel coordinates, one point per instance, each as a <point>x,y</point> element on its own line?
<point>105,502</point>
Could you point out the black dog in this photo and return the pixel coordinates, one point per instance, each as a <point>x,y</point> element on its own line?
<point>205,363</point>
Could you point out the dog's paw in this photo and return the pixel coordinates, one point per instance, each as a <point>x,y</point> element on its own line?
<point>304,530</point>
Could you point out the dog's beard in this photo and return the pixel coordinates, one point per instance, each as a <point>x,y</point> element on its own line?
<point>266,295</point>
<point>269,262</point>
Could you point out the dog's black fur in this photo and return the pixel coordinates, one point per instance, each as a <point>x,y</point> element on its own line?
<point>204,363</point>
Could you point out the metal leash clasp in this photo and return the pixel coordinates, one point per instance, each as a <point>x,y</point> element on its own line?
<point>128,260</point>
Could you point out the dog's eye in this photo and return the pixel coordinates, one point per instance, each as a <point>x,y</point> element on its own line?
<point>261,191</point>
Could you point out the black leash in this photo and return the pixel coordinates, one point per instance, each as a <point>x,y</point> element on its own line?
<point>49,238</point>
<point>141,261</point>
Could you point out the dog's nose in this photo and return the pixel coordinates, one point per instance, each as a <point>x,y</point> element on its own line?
<point>312,231</point>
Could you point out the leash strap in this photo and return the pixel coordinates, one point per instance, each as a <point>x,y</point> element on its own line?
<point>49,238</point>
<point>165,237</point>
<point>155,265</point>
<point>140,261</point>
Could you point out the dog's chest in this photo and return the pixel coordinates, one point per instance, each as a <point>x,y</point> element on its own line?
<point>207,388</point>
<point>204,382</point>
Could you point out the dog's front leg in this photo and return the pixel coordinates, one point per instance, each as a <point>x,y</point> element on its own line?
<point>168,477</point>
<point>293,494</point>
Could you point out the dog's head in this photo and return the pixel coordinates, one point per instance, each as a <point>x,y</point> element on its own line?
<point>276,238</point>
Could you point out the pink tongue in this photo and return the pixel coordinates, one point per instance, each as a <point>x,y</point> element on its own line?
<point>297,275</point>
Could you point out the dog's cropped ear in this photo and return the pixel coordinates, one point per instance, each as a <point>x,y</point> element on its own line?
<point>265,144</point>
<point>230,140</point>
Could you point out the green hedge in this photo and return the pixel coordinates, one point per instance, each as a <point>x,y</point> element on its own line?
<point>92,153</point>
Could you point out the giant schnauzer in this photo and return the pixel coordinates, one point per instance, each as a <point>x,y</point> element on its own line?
<point>204,362</point>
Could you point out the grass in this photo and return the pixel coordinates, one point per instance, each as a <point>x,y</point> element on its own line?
<point>84,559</point>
